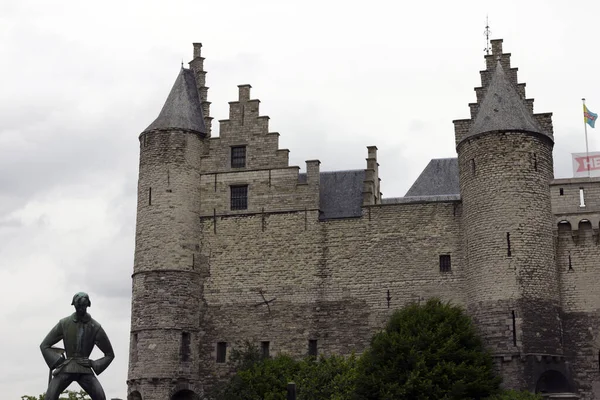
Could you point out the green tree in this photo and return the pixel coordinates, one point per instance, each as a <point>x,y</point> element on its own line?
<point>429,351</point>
<point>257,378</point>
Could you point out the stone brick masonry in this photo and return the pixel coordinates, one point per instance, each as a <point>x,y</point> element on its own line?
<point>524,250</point>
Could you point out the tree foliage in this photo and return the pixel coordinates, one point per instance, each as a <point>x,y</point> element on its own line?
<point>426,352</point>
<point>257,378</point>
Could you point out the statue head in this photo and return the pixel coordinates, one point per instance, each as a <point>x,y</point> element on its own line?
<point>81,301</point>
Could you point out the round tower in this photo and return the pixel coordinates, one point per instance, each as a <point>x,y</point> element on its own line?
<point>505,168</point>
<point>167,286</point>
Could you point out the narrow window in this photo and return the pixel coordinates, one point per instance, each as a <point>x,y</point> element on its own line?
<point>508,250</point>
<point>149,196</point>
<point>239,197</point>
<point>185,346</point>
<point>134,345</point>
<point>221,352</point>
<point>561,191</point>
<point>264,347</point>
<point>312,347</point>
<point>581,198</point>
<point>473,166</point>
<point>238,156</point>
<point>570,264</point>
<point>445,263</point>
<point>535,161</point>
<point>514,328</point>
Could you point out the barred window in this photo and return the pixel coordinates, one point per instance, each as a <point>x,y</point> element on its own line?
<point>445,263</point>
<point>221,352</point>
<point>312,347</point>
<point>239,197</point>
<point>264,346</point>
<point>185,346</point>
<point>238,156</point>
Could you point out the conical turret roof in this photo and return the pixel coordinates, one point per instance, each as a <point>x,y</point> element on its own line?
<point>182,110</point>
<point>502,109</point>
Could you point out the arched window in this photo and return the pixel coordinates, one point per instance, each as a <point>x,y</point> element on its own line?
<point>552,382</point>
<point>185,394</point>
<point>134,396</point>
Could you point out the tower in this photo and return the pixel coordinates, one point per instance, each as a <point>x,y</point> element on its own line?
<point>167,286</point>
<point>505,168</point>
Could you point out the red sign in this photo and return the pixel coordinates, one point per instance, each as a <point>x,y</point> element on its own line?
<point>582,163</point>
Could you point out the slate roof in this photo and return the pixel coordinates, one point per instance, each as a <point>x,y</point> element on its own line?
<point>439,178</point>
<point>182,110</point>
<point>502,108</point>
<point>340,193</point>
<point>421,199</point>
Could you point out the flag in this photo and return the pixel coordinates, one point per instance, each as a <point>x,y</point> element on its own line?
<point>589,117</point>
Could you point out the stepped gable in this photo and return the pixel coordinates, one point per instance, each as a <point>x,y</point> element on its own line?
<point>501,104</point>
<point>502,109</point>
<point>440,177</point>
<point>182,110</point>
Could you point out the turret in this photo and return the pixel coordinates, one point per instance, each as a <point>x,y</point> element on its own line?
<point>505,167</point>
<point>167,287</point>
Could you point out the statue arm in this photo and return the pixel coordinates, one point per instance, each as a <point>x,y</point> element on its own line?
<point>52,358</point>
<point>104,345</point>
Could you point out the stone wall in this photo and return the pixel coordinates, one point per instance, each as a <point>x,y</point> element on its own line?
<point>288,278</point>
<point>508,229</point>
<point>167,287</point>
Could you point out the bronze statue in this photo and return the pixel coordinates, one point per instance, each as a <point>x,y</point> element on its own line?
<point>79,333</point>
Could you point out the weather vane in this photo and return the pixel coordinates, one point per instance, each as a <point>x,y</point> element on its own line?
<point>487,34</point>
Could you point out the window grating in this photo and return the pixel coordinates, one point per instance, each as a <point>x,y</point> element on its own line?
<point>221,351</point>
<point>445,263</point>
<point>239,197</point>
<point>185,346</point>
<point>238,157</point>
<point>264,346</point>
<point>312,347</point>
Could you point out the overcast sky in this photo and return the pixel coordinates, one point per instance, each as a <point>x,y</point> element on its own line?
<point>80,80</point>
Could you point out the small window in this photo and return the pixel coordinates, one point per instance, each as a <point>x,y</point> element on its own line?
<point>312,347</point>
<point>473,166</point>
<point>264,347</point>
<point>239,197</point>
<point>581,198</point>
<point>238,157</point>
<point>185,346</point>
<point>134,345</point>
<point>514,328</point>
<point>445,263</point>
<point>221,352</point>
<point>561,191</point>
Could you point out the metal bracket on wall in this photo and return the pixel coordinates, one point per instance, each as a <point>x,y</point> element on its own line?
<point>265,301</point>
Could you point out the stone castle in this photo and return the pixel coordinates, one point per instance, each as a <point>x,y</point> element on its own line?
<point>234,244</point>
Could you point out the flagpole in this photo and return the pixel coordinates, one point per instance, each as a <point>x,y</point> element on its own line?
<point>587,152</point>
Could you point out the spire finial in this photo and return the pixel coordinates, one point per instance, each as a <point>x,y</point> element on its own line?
<point>487,34</point>
<point>182,63</point>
